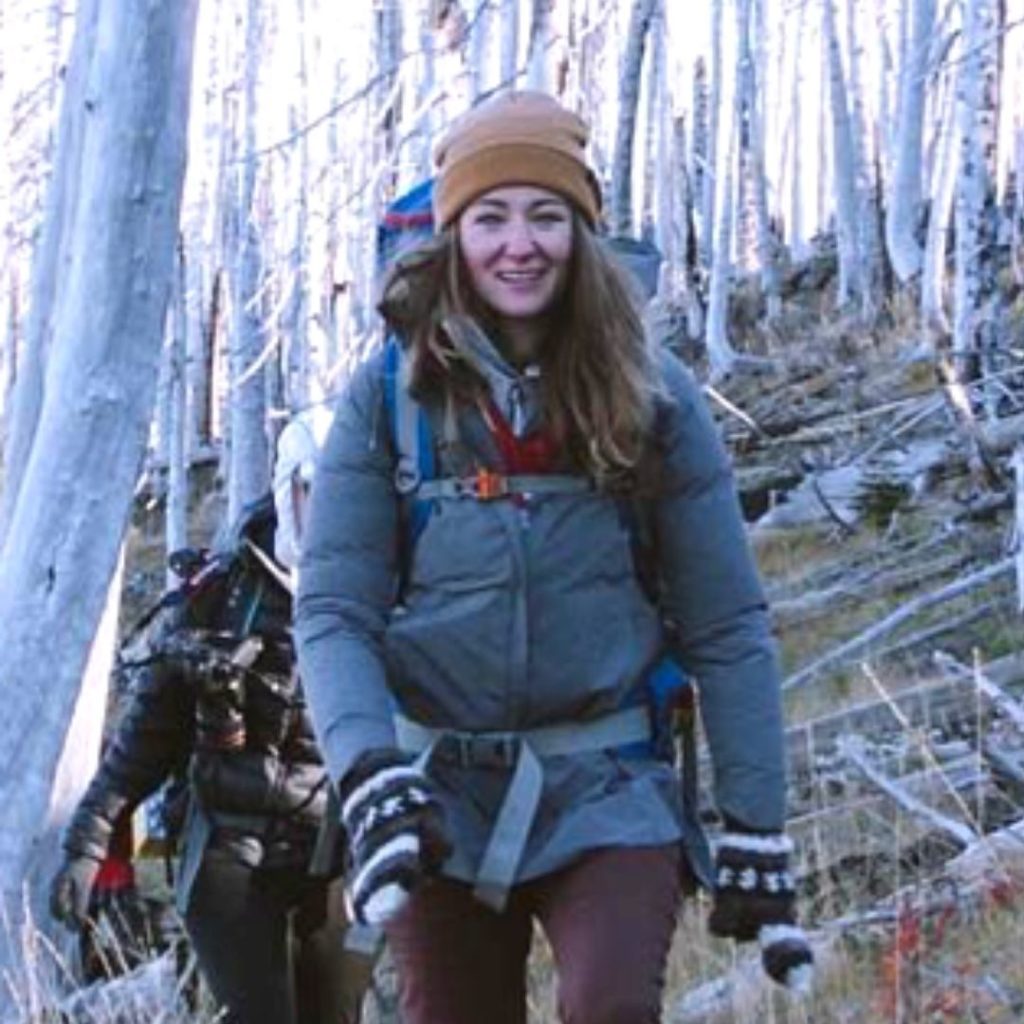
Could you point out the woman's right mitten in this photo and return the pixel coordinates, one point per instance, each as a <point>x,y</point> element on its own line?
<point>754,899</point>
<point>395,833</point>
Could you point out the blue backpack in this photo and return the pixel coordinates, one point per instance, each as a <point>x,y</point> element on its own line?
<point>669,692</point>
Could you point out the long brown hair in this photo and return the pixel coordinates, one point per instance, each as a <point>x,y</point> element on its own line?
<point>599,378</point>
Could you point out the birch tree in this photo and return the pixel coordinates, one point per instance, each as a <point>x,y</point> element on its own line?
<point>721,354</point>
<point>976,114</point>
<point>509,41</point>
<point>107,313</point>
<point>48,266</point>
<point>933,271</point>
<point>904,199</point>
<point>701,141</point>
<point>294,326</point>
<point>752,174</point>
<point>658,178</point>
<point>869,228</point>
<point>541,60</point>
<point>249,469</point>
<point>484,64</point>
<point>176,514</point>
<point>852,285</point>
<point>620,213</point>
<point>714,104</point>
<point>796,221</point>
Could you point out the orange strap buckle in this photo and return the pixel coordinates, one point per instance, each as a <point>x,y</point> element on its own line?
<point>488,485</point>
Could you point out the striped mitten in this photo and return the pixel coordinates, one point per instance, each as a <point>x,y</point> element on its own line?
<point>754,898</point>
<point>395,832</point>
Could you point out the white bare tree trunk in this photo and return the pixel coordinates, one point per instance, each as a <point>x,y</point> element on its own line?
<point>753,175</point>
<point>294,325</point>
<point>714,113</point>
<point>869,239</point>
<point>851,266</point>
<point>11,319</point>
<point>745,113</point>
<point>620,213</point>
<point>974,185</point>
<point>797,220</point>
<point>903,208</point>
<point>249,472</point>
<point>933,273</point>
<point>540,57</point>
<point>73,504</point>
<point>700,141</point>
<point>721,354</point>
<point>509,41</point>
<point>656,212</point>
<point>425,132</point>
<point>48,265</point>
<point>485,55</point>
<point>176,514</point>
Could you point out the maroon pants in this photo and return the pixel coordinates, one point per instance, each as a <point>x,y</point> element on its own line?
<point>609,919</point>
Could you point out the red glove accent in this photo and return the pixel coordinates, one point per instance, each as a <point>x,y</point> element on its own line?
<point>115,875</point>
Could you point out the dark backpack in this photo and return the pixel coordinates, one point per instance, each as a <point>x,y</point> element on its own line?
<point>196,607</point>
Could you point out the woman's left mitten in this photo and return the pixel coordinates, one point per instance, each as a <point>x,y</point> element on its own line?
<point>395,832</point>
<point>754,898</point>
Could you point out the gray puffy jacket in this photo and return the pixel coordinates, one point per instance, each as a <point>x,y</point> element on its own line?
<point>514,620</point>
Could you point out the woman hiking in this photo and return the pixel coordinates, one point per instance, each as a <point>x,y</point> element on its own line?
<point>478,637</point>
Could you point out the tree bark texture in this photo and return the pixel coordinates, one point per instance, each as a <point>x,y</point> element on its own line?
<point>249,468</point>
<point>50,261</point>
<point>620,214</point>
<point>904,198</point>
<point>851,266</point>
<point>73,503</point>
<point>974,185</point>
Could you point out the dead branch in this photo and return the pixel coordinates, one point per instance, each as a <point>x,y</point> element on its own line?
<point>996,694</point>
<point>852,747</point>
<point>929,633</point>
<point>857,586</point>
<point>897,618</point>
<point>870,824</point>
<point>731,407</point>
<point>1007,768</point>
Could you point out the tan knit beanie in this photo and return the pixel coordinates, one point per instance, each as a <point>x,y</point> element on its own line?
<point>517,138</point>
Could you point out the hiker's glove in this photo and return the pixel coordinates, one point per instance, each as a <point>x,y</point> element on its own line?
<point>71,889</point>
<point>754,898</point>
<point>395,832</point>
<point>113,886</point>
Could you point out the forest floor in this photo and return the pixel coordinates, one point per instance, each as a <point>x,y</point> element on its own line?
<point>882,502</point>
<point>884,510</point>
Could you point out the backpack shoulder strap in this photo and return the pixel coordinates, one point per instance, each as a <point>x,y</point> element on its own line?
<point>413,438</point>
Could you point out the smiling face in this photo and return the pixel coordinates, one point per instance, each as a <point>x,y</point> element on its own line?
<point>516,243</point>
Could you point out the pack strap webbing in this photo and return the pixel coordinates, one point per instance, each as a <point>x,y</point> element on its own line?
<point>523,752</point>
<point>486,485</point>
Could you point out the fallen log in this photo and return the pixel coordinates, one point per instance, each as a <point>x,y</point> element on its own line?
<point>852,748</point>
<point>873,824</point>
<point>897,618</point>
<point>995,693</point>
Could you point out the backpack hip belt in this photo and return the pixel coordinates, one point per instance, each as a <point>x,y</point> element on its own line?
<point>522,752</point>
